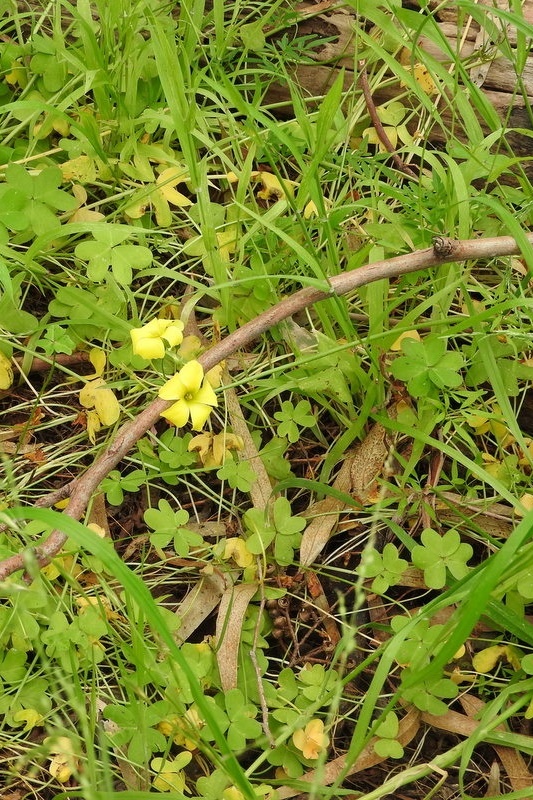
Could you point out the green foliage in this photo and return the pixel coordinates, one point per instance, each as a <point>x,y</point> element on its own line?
<point>239,474</point>
<point>292,418</point>
<point>385,568</point>
<point>439,553</point>
<point>241,717</point>
<point>387,746</point>
<point>279,528</point>
<point>32,202</point>
<point>108,251</point>
<point>115,484</point>
<point>146,173</point>
<point>135,730</point>
<point>427,366</point>
<point>168,526</point>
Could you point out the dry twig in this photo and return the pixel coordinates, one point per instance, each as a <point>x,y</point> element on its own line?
<point>444,251</point>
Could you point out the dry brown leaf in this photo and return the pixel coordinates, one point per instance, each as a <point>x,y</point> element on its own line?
<point>408,729</point>
<point>368,462</point>
<point>512,760</point>
<point>231,613</point>
<point>261,489</point>
<point>358,476</point>
<point>98,513</point>
<point>325,515</point>
<point>199,603</point>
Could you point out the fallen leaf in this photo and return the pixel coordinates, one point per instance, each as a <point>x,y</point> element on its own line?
<point>230,618</point>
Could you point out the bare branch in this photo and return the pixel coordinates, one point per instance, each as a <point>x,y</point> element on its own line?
<point>444,251</point>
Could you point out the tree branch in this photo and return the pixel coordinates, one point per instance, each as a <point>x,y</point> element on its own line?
<point>444,250</point>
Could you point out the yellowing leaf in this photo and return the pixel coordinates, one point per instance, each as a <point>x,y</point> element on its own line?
<point>214,375</point>
<point>96,394</point>
<point>93,425</point>
<point>171,777</point>
<point>166,182</point>
<point>311,210</point>
<point>214,449</point>
<point>105,409</point>
<point>63,762</point>
<point>232,793</point>
<point>527,504</point>
<point>274,188</point>
<point>6,372</point>
<point>81,169</point>
<point>237,550</point>
<point>93,526</point>
<point>486,659</point>
<point>424,79</point>
<point>396,346</point>
<point>30,717</point>
<point>97,358</point>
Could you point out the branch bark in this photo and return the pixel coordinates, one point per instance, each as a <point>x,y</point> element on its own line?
<point>444,251</point>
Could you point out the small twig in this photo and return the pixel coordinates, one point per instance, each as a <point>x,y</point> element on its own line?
<point>378,125</point>
<point>444,251</point>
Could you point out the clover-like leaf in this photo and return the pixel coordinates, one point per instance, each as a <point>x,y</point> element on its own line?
<point>427,366</point>
<point>438,553</point>
<point>292,418</point>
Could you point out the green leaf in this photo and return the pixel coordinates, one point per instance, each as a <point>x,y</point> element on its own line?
<point>252,35</point>
<point>239,474</point>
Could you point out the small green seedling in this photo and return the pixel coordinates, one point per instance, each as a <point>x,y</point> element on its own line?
<point>293,418</point>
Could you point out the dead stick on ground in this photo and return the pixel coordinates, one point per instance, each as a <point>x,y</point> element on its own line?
<point>443,251</point>
<point>378,125</point>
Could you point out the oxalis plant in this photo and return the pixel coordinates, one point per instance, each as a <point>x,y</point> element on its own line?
<point>227,719</point>
<point>122,183</point>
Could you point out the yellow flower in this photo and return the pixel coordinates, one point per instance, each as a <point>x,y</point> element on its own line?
<point>311,740</point>
<point>214,449</point>
<point>193,394</point>
<point>63,761</point>
<point>96,394</point>
<point>237,550</point>
<point>148,340</point>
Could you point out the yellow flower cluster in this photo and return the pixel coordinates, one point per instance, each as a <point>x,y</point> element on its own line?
<point>191,391</point>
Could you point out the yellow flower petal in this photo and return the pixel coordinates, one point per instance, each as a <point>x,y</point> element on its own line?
<point>173,389</point>
<point>147,348</point>
<point>205,394</point>
<point>311,740</point>
<point>194,396</point>
<point>192,375</point>
<point>177,414</point>
<point>174,332</point>
<point>148,340</point>
<point>199,415</point>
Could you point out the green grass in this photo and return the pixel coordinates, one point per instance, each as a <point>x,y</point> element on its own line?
<point>183,649</point>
